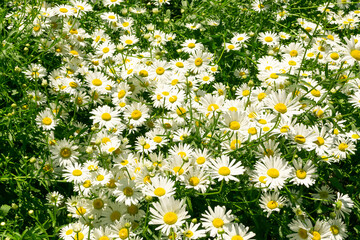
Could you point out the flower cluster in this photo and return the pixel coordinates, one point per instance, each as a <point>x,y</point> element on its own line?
<point>138,118</point>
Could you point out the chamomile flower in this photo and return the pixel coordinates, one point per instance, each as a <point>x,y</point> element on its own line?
<point>275,169</point>
<point>338,229</point>
<point>216,218</point>
<point>106,117</point>
<point>271,202</point>
<point>224,169</point>
<point>325,194</point>
<point>75,173</point>
<point>65,152</point>
<point>137,113</point>
<point>239,231</point>
<point>160,187</point>
<point>301,229</point>
<point>343,205</point>
<point>46,120</point>
<point>192,231</point>
<point>169,214</point>
<point>269,38</point>
<point>304,174</point>
<point>127,192</point>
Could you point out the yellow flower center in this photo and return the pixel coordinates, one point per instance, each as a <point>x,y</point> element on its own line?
<point>128,41</point>
<point>46,121</point>
<point>121,94</point>
<point>136,114</point>
<point>160,71</point>
<point>235,144</point>
<point>180,111</point>
<point>188,234</point>
<point>273,172</point>
<point>231,47</point>
<point>77,172</point>
<point>128,191</point>
<point>261,96</point>
<point>212,107</point>
<point>87,184</point>
<point>106,50</point>
<point>245,93</point>
<point>179,64</point>
<point>159,192</point>
<point>65,152</point>
<point>173,99</point>
<point>237,237</point>
<point>218,222</point>
<point>315,93</point>
<point>320,141</point>
<point>281,108</point>
<point>96,82</point>
<point>334,229</point>
<point>63,10</point>
<point>200,160</point>
<point>301,173</point>
<point>316,235</point>
<point>106,117</point>
<point>191,45</point>
<point>157,139</point>
<point>178,170</point>
<point>300,139</point>
<point>293,53</point>
<point>104,238</point>
<point>355,54</point>
<point>262,179</point>
<point>274,76</point>
<point>343,147</point>
<point>79,236</point>
<point>80,211</point>
<point>234,125</point>
<point>252,131</point>
<point>194,181</point>
<point>224,171</point>
<point>170,218</point>
<point>133,209</point>
<point>272,204</point>
<point>268,39</point>
<point>198,62</point>
<point>124,233</point>
<point>98,204</point>
<point>334,56</point>
<point>115,216</point>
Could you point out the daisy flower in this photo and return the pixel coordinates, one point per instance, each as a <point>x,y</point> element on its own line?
<point>63,10</point>
<point>190,46</point>
<point>338,229</point>
<point>46,120</point>
<point>65,152</point>
<point>169,214</point>
<point>197,179</point>
<point>224,169</point>
<point>343,204</point>
<point>106,116</point>
<point>301,229</point>
<point>160,187</point>
<point>199,61</point>
<point>75,173</point>
<point>212,220</point>
<point>275,169</point>
<point>325,194</point>
<point>192,231</point>
<point>269,38</point>
<point>321,230</point>
<point>127,192</point>
<point>137,113</point>
<point>283,104</point>
<point>271,202</point>
<point>304,174</point>
<point>238,231</point>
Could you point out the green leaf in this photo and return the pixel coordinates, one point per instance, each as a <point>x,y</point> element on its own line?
<point>5,209</point>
